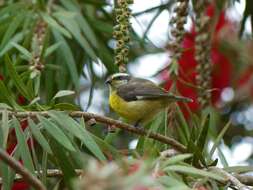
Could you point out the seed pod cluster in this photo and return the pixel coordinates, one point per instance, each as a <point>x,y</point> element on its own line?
<point>37,46</point>
<point>121,33</point>
<point>177,31</point>
<point>202,53</point>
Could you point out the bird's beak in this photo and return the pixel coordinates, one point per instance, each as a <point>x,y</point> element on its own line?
<point>108,81</point>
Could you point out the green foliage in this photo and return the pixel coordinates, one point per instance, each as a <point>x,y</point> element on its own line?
<point>44,48</point>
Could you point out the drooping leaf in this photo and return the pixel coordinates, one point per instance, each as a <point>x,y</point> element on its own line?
<point>218,139</point>
<point>6,94</point>
<point>39,136</point>
<point>53,23</point>
<point>194,171</point>
<point>78,131</point>
<point>176,159</point>
<point>52,48</point>
<point>17,79</point>
<point>62,93</point>
<point>73,27</point>
<point>23,50</point>
<point>11,29</point>
<point>23,146</point>
<point>68,58</point>
<point>56,133</point>
<point>65,164</point>
<point>4,128</point>
<point>16,38</point>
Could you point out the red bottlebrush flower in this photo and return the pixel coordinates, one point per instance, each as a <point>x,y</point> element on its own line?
<point>21,100</point>
<point>222,68</point>
<point>20,186</point>
<point>134,168</point>
<point>1,77</point>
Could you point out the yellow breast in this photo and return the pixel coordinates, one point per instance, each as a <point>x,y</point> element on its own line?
<point>133,111</point>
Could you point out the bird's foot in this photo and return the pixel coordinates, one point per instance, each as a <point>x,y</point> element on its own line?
<point>138,125</point>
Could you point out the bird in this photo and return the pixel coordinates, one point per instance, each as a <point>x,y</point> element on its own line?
<point>138,100</point>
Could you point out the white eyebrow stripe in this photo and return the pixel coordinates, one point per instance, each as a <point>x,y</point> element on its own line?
<point>119,74</point>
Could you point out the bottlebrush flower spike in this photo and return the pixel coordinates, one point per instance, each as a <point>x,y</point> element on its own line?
<point>222,68</point>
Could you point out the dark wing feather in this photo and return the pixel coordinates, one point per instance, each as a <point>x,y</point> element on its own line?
<point>137,89</point>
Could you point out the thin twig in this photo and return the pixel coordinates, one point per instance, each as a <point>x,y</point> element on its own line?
<point>15,165</point>
<point>50,173</point>
<point>106,120</point>
<point>245,179</point>
<point>233,179</point>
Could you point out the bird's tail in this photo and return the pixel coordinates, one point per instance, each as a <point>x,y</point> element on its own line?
<point>173,97</point>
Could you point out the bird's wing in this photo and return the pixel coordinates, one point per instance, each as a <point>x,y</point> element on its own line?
<point>141,89</point>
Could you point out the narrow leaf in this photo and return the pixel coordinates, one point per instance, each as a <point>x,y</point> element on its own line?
<point>68,57</point>
<point>194,171</point>
<point>62,93</point>
<point>177,158</point>
<point>218,139</point>
<point>38,136</point>
<point>6,94</point>
<point>53,23</point>
<point>52,48</point>
<point>16,78</point>
<point>56,133</point>
<point>78,131</point>
<point>11,29</point>
<point>23,50</point>
<point>23,147</point>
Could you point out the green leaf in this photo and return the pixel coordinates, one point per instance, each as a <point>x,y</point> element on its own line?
<point>17,79</point>
<point>51,22</point>
<point>16,38</point>
<point>90,143</point>
<point>183,123</point>
<point>23,50</point>
<point>5,106</point>
<point>52,48</point>
<point>5,128</point>
<point>23,147</point>
<point>6,94</point>
<point>5,173</point>
<point>68,58</point>
<point>66,106</point>
<point>35,100</point>
<point>107,147</point>
<point>11,29</point>
<point>78,131</point>
<point>219,138</point>
<point>38,136</point>
<point>194,171</point>
<point>63,160</point>
<point>62,93</point>
<point>56,133</point>
<point>176,159</point>
<point>239,169</point>
<point>73,27</point>
<point>83,23</point>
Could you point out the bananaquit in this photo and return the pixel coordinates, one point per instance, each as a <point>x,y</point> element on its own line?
<point>138,100</point>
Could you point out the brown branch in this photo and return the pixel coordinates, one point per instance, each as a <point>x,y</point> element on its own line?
<point>50,173</point>
<point>233,179</point>
<point>119,124</point>
<point>245,179</point>
<point>15,165</point>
